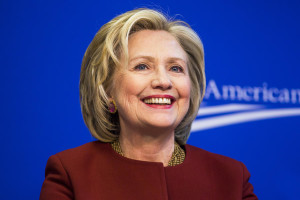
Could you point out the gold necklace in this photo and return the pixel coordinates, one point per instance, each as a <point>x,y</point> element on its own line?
<point>177,158</point>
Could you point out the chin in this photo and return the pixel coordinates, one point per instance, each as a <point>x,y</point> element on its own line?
<point>163,124</point>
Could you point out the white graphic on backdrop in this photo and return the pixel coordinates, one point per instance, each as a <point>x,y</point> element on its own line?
<point>241,117</point>
<point>235,113</point>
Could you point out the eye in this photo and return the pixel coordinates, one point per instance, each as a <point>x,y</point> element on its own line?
<point>141,67</point>
<point>177,69</point>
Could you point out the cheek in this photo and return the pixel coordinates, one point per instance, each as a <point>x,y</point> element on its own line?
<point>130,88</point>
<point>126,92</point>
<point>185,89</point>
<point>129,97</point>
<point>185,95</point>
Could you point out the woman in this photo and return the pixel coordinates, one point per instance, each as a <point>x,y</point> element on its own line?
<point>141,84</point>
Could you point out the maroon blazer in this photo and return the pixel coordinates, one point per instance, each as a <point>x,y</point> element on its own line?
<point>96,171</point>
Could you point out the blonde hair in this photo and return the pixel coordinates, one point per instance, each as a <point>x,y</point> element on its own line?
<point>103,56</point>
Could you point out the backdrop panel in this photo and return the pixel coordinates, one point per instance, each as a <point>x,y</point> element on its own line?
<point>251,110</point>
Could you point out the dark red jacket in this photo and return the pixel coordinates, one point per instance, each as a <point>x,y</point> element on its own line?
<point>96,171</point>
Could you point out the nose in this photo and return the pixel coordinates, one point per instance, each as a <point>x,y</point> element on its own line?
<point>161,80</point>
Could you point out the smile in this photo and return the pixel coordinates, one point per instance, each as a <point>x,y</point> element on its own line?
<point>159,101</point>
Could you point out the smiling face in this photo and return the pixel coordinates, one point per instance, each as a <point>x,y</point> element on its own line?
<point>153,89</point>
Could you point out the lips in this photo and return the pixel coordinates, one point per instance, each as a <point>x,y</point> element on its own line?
<point>159,100</point>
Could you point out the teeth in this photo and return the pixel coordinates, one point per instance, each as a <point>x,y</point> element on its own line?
<point>158,101</point>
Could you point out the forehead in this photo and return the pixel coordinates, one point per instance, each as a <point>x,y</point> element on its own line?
<point>155,43</point>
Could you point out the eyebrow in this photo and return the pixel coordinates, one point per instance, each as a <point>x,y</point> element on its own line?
<point>152,59</point>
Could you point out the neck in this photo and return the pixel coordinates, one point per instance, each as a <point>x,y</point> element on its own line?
<point>145,147</point>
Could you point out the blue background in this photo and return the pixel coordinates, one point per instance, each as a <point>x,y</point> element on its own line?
<point>42,45</point>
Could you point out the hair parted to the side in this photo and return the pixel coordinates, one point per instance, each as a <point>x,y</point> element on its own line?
<point>103,56</point>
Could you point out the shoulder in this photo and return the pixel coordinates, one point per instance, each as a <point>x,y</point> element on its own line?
<point>214,161</point>
<point>88,148</point>
<point>88,153</point>
<point>226,173</point>
<point>196,151</point>
<point>74,168</point>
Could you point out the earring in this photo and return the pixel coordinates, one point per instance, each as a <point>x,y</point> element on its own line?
<point>112,107</point>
